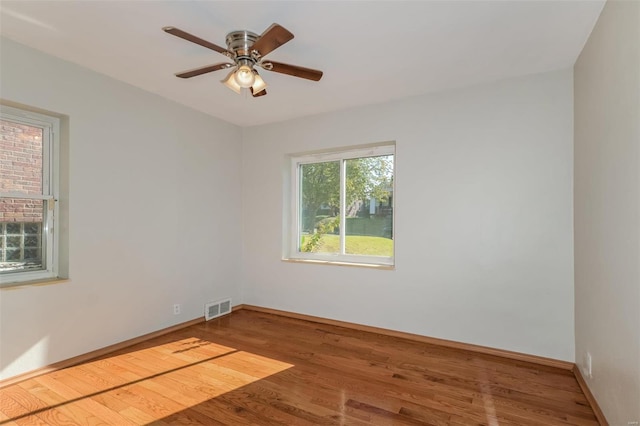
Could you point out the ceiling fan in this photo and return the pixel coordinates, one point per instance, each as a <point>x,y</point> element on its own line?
<point>247,51</point>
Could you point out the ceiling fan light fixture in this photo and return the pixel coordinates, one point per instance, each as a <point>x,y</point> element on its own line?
<point>244,76</point>
<point>258,85</point>
<point>231,83</point>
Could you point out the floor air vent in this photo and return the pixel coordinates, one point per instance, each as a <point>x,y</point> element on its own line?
<point>216,309</point>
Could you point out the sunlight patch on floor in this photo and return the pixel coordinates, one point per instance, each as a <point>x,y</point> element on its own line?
<point>180,374</point>
<point>487,400</point>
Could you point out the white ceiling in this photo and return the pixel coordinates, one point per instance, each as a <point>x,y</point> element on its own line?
<point>370,51</point>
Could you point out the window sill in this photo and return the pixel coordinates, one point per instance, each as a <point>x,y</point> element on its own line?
<point>33,283</point>
<point>338,263</point>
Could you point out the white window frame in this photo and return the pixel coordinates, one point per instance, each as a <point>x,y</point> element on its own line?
<point>50,183</point>
<point>293,252</point>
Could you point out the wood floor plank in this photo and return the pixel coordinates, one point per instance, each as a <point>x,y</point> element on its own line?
<point>75,404</point>
<point>4,418</point>
<point>47,414</point>
<point>256,368</point>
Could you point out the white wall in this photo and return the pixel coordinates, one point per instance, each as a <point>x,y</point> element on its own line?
<point>483,221</point>
<point>607,210</point>
<point>154,200</point>
<point>484,245</point>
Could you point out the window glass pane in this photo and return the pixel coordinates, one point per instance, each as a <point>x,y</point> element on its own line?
<point>14,241</point>
<point>12,228</point>
<point>21,150</point>
<point>320,207</point>
<point>21,234</point>
<point>369,206</point>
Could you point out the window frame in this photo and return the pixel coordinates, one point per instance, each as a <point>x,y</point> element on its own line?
<point>293,252</point>
<point>50,126</point>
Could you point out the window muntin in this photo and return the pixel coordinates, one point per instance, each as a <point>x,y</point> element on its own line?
<point>27,195</point>
<point>354,188</point>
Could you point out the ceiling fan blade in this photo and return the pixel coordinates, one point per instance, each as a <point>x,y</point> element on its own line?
<point>197,40</point>
<point>294,70</point>
<point>260,93</point>
<point>272,38</point>
<point>203,70</point>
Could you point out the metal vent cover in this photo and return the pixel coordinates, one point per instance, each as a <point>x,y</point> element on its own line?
<point>216,309</point>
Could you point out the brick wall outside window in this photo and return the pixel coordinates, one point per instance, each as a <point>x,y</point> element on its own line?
<point>21,171</point>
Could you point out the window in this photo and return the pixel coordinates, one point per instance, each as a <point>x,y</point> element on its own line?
<point>343,206</point>
<point>28,192</point>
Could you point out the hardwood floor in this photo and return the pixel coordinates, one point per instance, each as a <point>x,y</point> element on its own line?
<point>258,368</point>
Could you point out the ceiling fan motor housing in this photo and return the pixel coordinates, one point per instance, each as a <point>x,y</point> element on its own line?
<point>240,43</point>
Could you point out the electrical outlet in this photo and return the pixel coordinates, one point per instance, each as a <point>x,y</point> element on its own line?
<point>587,366</point>
<point>176,309</point>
